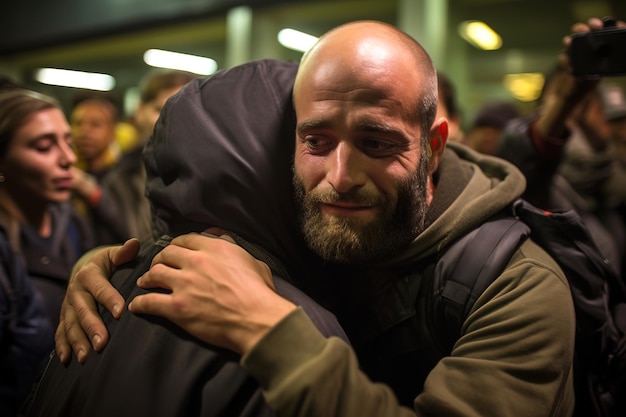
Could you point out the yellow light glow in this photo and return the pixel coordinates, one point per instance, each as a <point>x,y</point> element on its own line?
<point>177,61</point>
<point>296,40</point>
<point>480,35</point>
<point>524,86</point>
<point>76,79</point>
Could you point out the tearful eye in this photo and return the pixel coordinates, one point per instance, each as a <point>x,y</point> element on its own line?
<point>378,148</point>
<point>312,142</point>
<point>316,144</point>
<point>376,144</point>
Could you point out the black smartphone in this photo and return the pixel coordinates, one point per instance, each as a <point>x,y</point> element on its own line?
<point>600,53</point>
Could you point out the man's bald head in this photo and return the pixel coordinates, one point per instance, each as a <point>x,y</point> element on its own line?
<point>379,51</point>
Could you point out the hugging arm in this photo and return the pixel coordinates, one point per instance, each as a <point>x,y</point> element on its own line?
<point>236,291</point>
<point>88,286</point>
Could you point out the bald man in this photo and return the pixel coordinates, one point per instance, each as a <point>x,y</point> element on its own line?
<point>378,194</point>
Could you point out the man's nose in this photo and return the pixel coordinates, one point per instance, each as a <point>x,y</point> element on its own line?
<point>346,168</point>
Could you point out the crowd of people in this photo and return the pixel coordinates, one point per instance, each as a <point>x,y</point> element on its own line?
<point>262,270</point>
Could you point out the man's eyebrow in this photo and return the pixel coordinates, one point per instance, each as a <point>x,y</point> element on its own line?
<point>313,125</point>
<point>364,126</point>
<point>367,126</point>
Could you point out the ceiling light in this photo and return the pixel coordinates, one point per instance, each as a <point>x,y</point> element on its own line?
<point>480,35</point>
<point>77,79</point>
<point>524,86</point>
<point>296,40</point>
<point>177,61</point>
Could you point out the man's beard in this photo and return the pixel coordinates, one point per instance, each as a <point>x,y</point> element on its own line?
<point>348,240</point>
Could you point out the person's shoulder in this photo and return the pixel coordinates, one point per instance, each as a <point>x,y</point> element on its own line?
<point>533,259</point>
<point>534,276</point>
<point>532,251</point>
<point>533,291</point>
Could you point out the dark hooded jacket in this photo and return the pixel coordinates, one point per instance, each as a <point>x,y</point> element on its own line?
<point>206,166</point>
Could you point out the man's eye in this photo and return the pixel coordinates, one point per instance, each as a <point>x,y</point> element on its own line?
<point>374,144</point>
<point>311,142</point>
<point>378,146</point>
<point>316,143</point>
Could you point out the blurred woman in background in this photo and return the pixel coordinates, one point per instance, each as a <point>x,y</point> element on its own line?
<point>41,236</point>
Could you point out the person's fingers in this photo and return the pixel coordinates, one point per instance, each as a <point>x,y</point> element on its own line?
<point>173,256</point>
<point>592,24</point>
<point>63,347</point>
<point>595,23</point>
<point>80,322</point>
<point>215,231</point>
<point>266,273</point>
<point>191,241</point>
<point>161,275</point>
<point>70,337</point>
<point>580,27</point>
<point>89,286</point>
<point>219,233</point>
<point>126,253</point>
<point>94,277</point>
<point>153,303</point>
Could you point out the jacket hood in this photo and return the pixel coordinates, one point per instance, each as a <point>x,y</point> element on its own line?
<point>221,155</point>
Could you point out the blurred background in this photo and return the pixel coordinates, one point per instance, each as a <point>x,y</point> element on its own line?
<point>112,36</point>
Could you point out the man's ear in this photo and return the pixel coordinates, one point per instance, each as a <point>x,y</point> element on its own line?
<point>437,139</point>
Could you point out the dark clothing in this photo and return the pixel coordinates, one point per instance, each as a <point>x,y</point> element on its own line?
<point>37,272</point>
<point>49,260</point>
<point>105,219</point>
<point>26,334</point>
<point>576,177</point>
<point>150,367</point>
<point>126,186</point>
<point>224,145</point>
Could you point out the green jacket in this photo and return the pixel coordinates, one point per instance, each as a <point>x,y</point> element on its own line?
<point>514,357</point>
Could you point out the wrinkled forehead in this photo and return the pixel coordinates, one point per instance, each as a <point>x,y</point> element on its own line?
<point>376,66</point>
<point>371,86</point>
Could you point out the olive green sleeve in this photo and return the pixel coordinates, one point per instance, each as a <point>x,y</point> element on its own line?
<point>304,374</point>
<point>513,359</point>
<point>516,353</point>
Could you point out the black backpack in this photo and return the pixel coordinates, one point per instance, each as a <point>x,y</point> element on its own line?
<point>599,295</point>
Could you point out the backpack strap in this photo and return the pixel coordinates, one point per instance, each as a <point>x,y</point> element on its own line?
<point>466,269</point>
